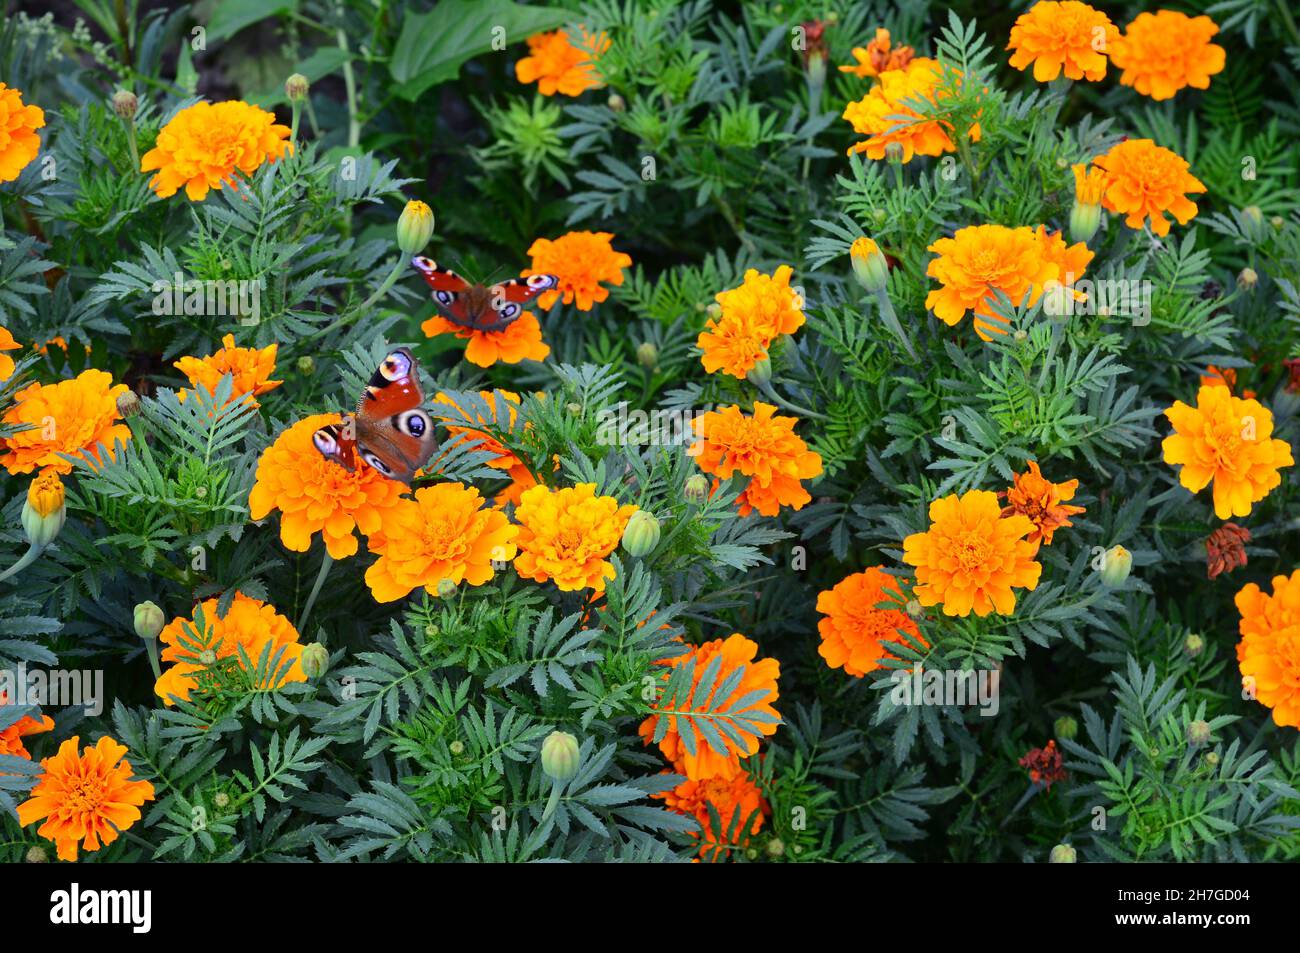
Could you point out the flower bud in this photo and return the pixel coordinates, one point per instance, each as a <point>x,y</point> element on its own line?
<point>1247,279</point>
<point>696,489</point>
<point>128,403</point>
<point>915,609</point>
<point>148,620</point>
<point>616,102</point>
<point>1085,219</point>
<point>869,265</point>
<point>1277,221</point>
<point>647,355</point>
<point>1212,758</point>
<point>560,755</point>
<point>37,855</point>
<point>124,103</point>
<point>761,372</point>
<point>1253,214</point>
<point>1198,733</point>
<point>714,310</point>
<point>315,660</point>
<point>296,87</point>
<point>446,588</point>
<point>44,512</point>
<point>574,408</point>
<point>414,227</point>
<point>306,365</point>
<point>894,152</point>
<point>457,747</point>
<point>1062,854</point>
<point>221,800</point>
<point>1193,645</point>
<point>1116,564</point>
<point>775,847</point>
<point>1066,728</point>
<point>641,535</point>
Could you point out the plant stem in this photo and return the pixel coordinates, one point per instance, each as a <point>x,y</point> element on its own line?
<point>28,558</point>
<point>350,85</point>
<point>347,316</point>
<point>326,561</point>
<point>770,393</point>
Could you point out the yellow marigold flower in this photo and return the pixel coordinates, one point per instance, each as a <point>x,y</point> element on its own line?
<point>85,799</point>
<point>521,340</point>
<point>7,343</point>
<point>19,142</point>
<point>1163,52</point>
<point>316,495</point>
<point>249,623</point>
<point>71,417</point>
<point>1067,35</point>
<point>764,448</point>
<point>204,145</point>
<point>581,261</point>
<point>250,367</point>
<point>876,114</point>
<point>878,57</point>
<point>1226,440</point>
<point>755,314</point>
<point>1089,183</point>
<point>980,260</point>
<point>1043,501</point>
<point>566,535</point>
<point>855,631</point>
<point>445,533</point>
<point>557,66</point>
<point>757,688</point>
<point>1146,180</point>
<point>971,557</point>
<point>1269,651</point>
<point>734,800</point>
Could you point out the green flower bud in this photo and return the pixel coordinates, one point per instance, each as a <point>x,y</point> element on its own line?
<point>414,227</point>
<point>315,660</point>
<point>221,800</point>
<point>1062,854</point>
<point>696,489</point>
<point>616,103</point>
<point>1247,279</point>
<point>869,265</point>
<point>1116,564</point>
<point>1193,645</point>
<point>446,588</point>
<point>457,747</point>
<point>1254,214</point>
<point>647,355</point>
<point>1085,219</point>
<point>296,87</point>
<point>37,855</point>
<point>149,620</point>
<point>128,403</point>
<point>641,535</point>
<point>775,847</point>
<point>306,365</point>
<point>761,372</point>
<point>1198,733</point>
<point>1066,728</point>
<point>1212,758</point>
<point>560,755</point>
<point>894,152</point>
<point>124,104</point>
<point>574,408</point>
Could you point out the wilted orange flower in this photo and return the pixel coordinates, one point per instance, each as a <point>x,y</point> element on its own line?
<point>445,533</point>
<point>518,341</point>
<point>1163,52</point>
<point>1225,549</point>
<point>249,623</point>
<point>7,343</point>
<point>855,630</point>
<point>754,315</point>
<point>878,58</point>
<point>1269,651</point>
<point>1226,440</point>
<point>19,142</point>
<point>979,261</point>
<point>734,799</point>
<point>1146,180</point>
<point>1043,502</point>
<point>566,535</point>
<point>1045,765</point>
<point>85,799</point>
<point>316,495</point>
<point>11,738</point>
<point>250,367</point>
<point>758,680</point>
<point>581,261</point>
<point>1067,35</point>
<point>971,557</point>
<point>876,114</point>
<point>557,66</point>
<point>72,417</point>
<point>204,145</point>
<point>1089,183</point>
<point>763,447</point>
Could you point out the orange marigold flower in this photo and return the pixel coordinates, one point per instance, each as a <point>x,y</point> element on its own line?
<point>756,688</point>
<point>979,261</point>
<point>557,66</point>
<point>7,343</point>
<point>734,799</point>
<point>855,631</point>
<point>316,495</point>
<point>204,145</point>
<point>1163,52</point>
<point>1225,549</point>
<point>19,142</point>
<point>249,623</point>
<point>1067,35</point>
<point>250,367</point>
<point>1043,501</point>
<point>11,738</point>
<point>71,417</point>
<point>85,799</point>
<point>1089,183</point>
<point>878,58</point>
<point>566,535</point>
<point>1144,180</point>
<point>754,315</point>
<point>482,441</point>
<point>581,261</point>
<point>1269,651</point>
<point>518,341</point>
<point>1226,440</point>
<point>971,557</point>
<point>764,448</point>
<point>1045,765</point>
<point>876,114</point>
<point>445,533</point>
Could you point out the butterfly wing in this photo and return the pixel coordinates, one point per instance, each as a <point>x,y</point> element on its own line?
<point>338,442</point>
<point>489,309</point>
<point>450,292</point>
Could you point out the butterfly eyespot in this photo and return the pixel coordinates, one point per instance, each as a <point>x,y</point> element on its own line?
<point>396,366</point>
<point>423,264</point>
<point>414,422</point>
<point>375,462</point>
<point>541,281</point>
<point>444,298</point>
<point>325,443</point>
<point>509,309</point>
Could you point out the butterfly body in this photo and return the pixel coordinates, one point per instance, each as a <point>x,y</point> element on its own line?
<point>389,431</point>
<point>480,307</point>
